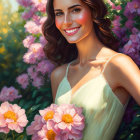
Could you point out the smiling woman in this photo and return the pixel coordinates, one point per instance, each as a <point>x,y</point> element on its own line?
<point>92,75</point>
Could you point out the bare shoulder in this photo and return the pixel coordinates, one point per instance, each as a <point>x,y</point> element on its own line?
<point>56,76</point>
<point>123,62</point>
<point>59,72</point>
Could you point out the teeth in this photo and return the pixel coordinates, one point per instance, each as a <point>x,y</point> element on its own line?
<point>70,31</point>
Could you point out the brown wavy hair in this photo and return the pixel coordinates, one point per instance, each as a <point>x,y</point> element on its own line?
<point>58,50</point>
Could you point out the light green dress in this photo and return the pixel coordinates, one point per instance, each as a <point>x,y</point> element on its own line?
<point>102,109</point>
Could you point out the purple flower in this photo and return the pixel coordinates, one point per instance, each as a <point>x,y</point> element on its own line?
<point>29,14</point>
<point>38,82</point>
<point>129,23</point>
<point>9,94</point>
<point>132,47</point>
<point>25,3</point>
<point>23,80</point>
<point>45,67</point>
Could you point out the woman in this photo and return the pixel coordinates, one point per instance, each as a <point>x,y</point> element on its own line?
<point>93,75</point>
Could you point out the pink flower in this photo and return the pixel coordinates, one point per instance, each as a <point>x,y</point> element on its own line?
<point>48,132</point>
<point>69,120</point>
<point>4,130</point>
<point>32,27</point>
<point>25,3</point>
<point>38,82</point>
<point>13,117</point>
<point>40,5</point>
<point>44,67</point>
<point>35,126</point>
<point>34,53</point>
<point>37,50</point>
<point>64,122</point>
<point>28,41</point>
<point>48,113</point>
<point>9,94</point>
<point>113,5</point>
<point>23,80</point>
<point>32,73</point>
<point>29,58</point>
<point>134,30</point>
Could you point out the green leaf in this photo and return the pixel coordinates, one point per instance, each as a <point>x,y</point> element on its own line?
<point>35,107</point>
<point>38,99</point>
<point>34,94</point>
<point>20,137</point>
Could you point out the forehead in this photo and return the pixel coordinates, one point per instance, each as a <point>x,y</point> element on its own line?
<point>61,4</point>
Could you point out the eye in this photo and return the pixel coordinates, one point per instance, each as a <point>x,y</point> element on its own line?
<point>58,13</point>
<point>76,10</point>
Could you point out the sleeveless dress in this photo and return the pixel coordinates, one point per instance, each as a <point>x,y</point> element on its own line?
<point>102,109</point>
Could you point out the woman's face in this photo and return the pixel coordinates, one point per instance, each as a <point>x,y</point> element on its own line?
<point>73,19</point>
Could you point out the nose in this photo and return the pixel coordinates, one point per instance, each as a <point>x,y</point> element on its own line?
<point>67,20</point>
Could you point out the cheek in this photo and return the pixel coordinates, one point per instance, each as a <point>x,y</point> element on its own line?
<point>84,17</point>
<point>58,23</point>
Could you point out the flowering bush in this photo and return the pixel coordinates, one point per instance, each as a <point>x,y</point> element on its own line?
<point>33,84</point>
<point>57,123</point>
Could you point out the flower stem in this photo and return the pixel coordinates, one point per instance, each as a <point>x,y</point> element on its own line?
<point>13,135</point>
<point>6,137</point>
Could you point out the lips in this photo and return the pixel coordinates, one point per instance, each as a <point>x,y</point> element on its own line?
<point>71,31</point>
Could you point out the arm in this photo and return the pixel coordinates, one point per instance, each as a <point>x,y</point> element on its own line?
<point>56,77</point>
<point>128,75</point>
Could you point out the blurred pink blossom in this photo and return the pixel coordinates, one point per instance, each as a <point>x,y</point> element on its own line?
<point>44,67</point>
<point>40,5</point>
<point>38,81</point>
<point>9,94</point>
<point>23,80</point>
<point>25,3</point>
<point>129,23</point>
<point>29,58</point>
<point>42,40</point>
<point>32,27</point>
<point>28,41</point>
<point>34,53</point>
<point>135,30</point>
<point>12,117</point>
<point>4,129</point>
<point>132,8</point>
<point>31,72</point>
<point>132,47</point>
<point>113,5</point>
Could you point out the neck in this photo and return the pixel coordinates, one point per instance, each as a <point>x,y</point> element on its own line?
<point>88,48</point>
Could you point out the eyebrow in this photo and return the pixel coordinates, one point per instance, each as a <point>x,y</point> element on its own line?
<point>68,8</point>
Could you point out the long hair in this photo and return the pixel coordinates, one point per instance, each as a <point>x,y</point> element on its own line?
<point>58,50</point>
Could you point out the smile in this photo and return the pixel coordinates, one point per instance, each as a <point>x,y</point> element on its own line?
<point>72,31</point>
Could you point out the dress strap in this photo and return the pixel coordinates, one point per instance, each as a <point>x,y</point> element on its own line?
<point>108,61</point>
<point>67,69</point>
